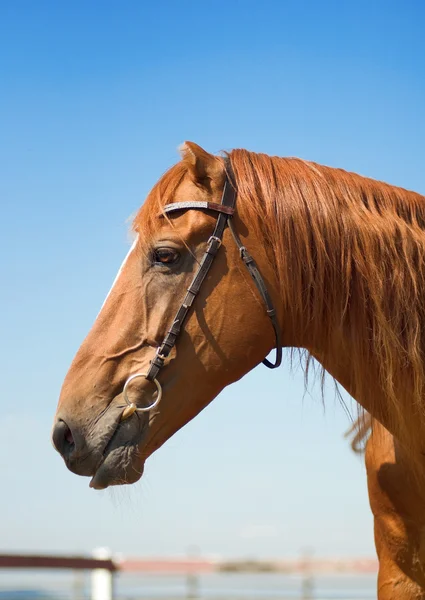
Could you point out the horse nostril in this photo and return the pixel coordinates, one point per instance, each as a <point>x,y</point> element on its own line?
<point>68,436</point>
<point>63,439</point>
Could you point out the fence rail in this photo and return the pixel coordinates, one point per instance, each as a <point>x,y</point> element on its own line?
<point>40,561</point>
<point>104,569</point>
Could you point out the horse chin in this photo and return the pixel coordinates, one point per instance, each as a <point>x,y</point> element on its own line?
<point>122,462</point>
<point>120,466</point>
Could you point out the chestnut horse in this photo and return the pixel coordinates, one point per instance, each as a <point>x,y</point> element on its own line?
<point>339,256</point>
<point>397,500</point>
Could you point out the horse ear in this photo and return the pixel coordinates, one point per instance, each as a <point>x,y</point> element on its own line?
<point>202,164</point>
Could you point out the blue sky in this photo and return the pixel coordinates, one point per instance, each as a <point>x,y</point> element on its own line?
<point>95,98</point>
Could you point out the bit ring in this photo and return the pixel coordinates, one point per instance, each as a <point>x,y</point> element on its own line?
<point>132,407</point>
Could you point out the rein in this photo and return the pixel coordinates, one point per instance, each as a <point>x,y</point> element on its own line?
<point>225,211</point>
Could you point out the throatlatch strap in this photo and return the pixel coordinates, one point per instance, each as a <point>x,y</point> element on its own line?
<point>262,288</point>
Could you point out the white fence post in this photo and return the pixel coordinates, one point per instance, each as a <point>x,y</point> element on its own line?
<point>102,580</point>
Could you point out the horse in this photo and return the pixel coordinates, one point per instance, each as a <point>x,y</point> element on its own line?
<point>396,498</point>
<point>235,255</point>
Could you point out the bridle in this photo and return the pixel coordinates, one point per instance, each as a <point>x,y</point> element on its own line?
<point>225,211</point>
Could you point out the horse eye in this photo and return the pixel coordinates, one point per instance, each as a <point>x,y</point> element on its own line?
<point>166,256</point>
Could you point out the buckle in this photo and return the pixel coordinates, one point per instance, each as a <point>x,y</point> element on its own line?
<point>214,238</point>
<point>159,355</point>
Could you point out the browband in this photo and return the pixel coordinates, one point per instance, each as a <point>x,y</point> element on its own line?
<point>221,208</point>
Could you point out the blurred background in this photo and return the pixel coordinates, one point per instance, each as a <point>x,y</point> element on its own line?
<point>95,97</point>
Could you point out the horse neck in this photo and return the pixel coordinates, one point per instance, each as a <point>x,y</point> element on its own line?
<point>334,258</point>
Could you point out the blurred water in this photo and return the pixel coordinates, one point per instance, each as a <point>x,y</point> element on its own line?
<point>45,585</point>
<point>252,586</point>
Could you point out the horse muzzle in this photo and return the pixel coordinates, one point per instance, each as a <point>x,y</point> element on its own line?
<point>107,450</point>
